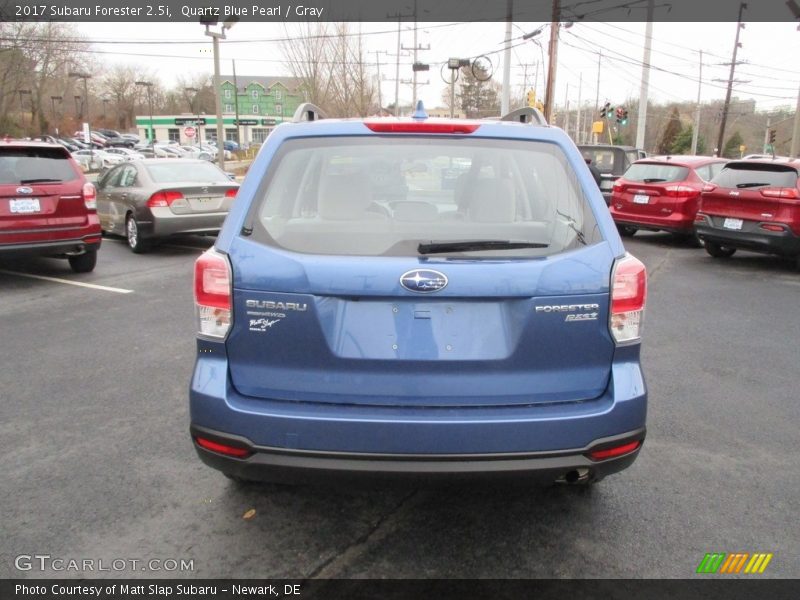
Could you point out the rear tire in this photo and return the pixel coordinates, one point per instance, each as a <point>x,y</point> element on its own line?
<point>626,230</point>
<point>718,251</point>
<point>134,236</point>
<point>83,263</point>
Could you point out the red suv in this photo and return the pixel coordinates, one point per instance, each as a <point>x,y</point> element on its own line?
<point>752,205</point>
<point>47,207</point>
<point>662,193</point>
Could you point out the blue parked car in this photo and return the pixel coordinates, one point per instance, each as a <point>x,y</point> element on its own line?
<point>415,297</point>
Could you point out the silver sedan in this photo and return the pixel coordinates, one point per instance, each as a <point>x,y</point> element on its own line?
<point>145,200</point>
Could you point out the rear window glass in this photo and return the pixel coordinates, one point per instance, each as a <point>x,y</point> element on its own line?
<point>655,173</point>
<point>756,175</point>
<point>169,172</point>
<point>607,160</point>
<point>31,165</point>
<point>381,196</point>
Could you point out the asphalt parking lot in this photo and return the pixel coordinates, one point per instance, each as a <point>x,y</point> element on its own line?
<point>98,464</point>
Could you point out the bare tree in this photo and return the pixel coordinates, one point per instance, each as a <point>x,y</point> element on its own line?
<point>331,64</point>
<point>37,58</point>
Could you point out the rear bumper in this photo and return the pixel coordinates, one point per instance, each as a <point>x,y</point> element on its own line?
<point>752,237</point>
<point>303,467</point>
<point>70,247</point>
<point>163,223</point>
<point>676,222</point>
<point>304,441</point>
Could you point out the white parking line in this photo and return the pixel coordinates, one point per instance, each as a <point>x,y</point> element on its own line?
<point>67,281</point>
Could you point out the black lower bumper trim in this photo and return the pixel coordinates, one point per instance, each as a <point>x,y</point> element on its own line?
<point>310,467</point>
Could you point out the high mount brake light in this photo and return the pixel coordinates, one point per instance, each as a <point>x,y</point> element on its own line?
<point>212,294</point>
<point>628,298</point>
<point>421,127</point>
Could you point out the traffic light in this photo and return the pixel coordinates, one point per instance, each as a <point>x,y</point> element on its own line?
<point>772,134</point>
<point>605,112</point>
<point>623,120</point>
<point>532,99</point>
<point>618,113</point>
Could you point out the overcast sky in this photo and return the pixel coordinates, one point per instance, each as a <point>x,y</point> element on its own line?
<point>771,74</point>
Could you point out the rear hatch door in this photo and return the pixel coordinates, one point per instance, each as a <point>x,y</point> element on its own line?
<point>340,297</point>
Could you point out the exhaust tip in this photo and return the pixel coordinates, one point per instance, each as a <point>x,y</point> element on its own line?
<point>575,476</point>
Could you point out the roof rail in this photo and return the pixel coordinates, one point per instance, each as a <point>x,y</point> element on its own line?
<point>526,114</point>
<point>308,112</point>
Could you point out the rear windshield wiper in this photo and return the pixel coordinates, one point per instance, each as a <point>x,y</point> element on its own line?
<point>40,180</point>
<point>439,247</point>
<point>748,185</point>
<point>652,180</point>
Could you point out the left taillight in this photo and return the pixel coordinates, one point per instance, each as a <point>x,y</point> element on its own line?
<point>212,294</point>
<point>628,298</point>
<point>231,193</point>
<point>89,196</point>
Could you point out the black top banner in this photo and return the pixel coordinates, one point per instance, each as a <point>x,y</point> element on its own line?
<point>230,11</point>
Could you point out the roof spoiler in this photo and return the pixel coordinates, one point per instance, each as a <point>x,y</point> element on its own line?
<point>308,112</point>
<point>526,114</point>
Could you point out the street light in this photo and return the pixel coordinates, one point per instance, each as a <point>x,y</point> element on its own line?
<point>216,36</point>
<point>149,85</point>
<point>53,101</point>
<point>194,91</point>
<point>86,77</point>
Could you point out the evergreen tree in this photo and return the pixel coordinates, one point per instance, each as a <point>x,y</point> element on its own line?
<point>731,149</point>
<point>475,97</point>
<point>671,132</point>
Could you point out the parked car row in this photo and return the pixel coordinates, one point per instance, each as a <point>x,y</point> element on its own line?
<point>750,204</point>
<point>48,208</point>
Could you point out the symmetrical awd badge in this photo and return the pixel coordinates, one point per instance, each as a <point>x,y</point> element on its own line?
<point>423,281</point>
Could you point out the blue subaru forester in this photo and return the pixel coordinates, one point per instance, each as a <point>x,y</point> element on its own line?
<point>418,298</point>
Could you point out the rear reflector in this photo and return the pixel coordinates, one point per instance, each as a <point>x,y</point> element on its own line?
<point>222,448</point>
<point>788,193</point>
<point>89,196</point>
<point>614,452</point>
<point>420,127</point>
<point>628,298</point>
<point>212,294</point>
<point>700,218</point>
<point>771,227</point>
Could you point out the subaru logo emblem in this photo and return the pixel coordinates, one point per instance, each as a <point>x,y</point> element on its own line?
<point>423,281</point>
<point>24,190</point>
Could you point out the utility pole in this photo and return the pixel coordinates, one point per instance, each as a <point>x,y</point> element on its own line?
<point>766,136</point>
<point>796,130</point>
<point>597,93</point>
<point>696,131</point>
<point>726,106</point>
<point>416,66</point>
<point>578,115</point>
<point>236,103</point>
<point>641,120</point>
<point>506,95</point>
<point>380,96</point>
<point>549,97</point>
<point>566,110</point>
<point>216,36</point>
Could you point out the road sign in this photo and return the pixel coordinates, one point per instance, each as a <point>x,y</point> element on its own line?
<point>189,132</point>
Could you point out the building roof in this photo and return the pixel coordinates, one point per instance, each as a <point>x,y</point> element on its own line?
<point>242,81</point>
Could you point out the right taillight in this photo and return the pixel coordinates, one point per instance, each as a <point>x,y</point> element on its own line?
<point>89,196</point>
<point>212,294</point>
<point>628,297</point>
<point>786,193</point>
